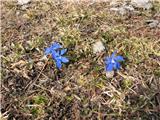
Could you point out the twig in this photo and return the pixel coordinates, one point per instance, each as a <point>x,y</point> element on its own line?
<point>28,87</point>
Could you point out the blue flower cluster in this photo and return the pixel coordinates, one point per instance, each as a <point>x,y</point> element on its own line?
<point>113,62</point>
<point>56,51</point>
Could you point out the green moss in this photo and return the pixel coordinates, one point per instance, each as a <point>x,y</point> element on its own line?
<point>157,72</point>
<point>38,42</point>
<point>127,83</point>
<point>40,99</point>
<point>107,37</point>
<point>69,98</point>
<point>35,111</point>
<point>97,68</point>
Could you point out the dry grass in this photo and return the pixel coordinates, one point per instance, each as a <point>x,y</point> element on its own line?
<point>33,90</point>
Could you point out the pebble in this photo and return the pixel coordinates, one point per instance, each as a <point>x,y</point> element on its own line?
<point>123,9</point>
<point>109,74</point>
<point>98,47</point>
<point>152,23</point>
<point>44,58</point>
<point>145,4</point>
<point>23,2</point>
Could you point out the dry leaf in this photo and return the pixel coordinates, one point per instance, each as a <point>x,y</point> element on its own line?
<point>20,63</point>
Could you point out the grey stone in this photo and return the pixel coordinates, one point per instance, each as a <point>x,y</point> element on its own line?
<point>23,2</point>
<point>124,9</point>
<point>152,23</point>
<point>145,4</point>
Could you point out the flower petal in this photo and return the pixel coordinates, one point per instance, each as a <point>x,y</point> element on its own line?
<point>47,51</point>
<point>55,54</point>
<point>62,52</point>
<point>108,60</point>
<point>119,58</point>
<point>113,54</point>
<point>58,64</point>
<point>109,67</point>
<point>117,66</point>
<point>64,59</point>
<point>55,46</point>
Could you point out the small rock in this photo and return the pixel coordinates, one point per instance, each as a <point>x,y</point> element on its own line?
<point>152,23</point>
<point>23,2</point>
<point>119,10</point>
<point>44,58</point>
<point>110,74</point>
<point>98,47</point>
<point>129,7</point>
<point>145,4</point>
<point>123,9</point>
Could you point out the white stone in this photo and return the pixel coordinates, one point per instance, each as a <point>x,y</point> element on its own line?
<point>129,7</point>
<point>109,74</point>
<point>146,4</point>
<point>23,2</point>
<point>123,9</point>
<point>98,47</point>
<point>44,58</point>
<point>152,23</point>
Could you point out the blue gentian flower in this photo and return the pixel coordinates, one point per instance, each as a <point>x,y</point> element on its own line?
<point>56,52</point>
<point>113,62</point>
<point>59,59</point>
<point>54,46</point>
